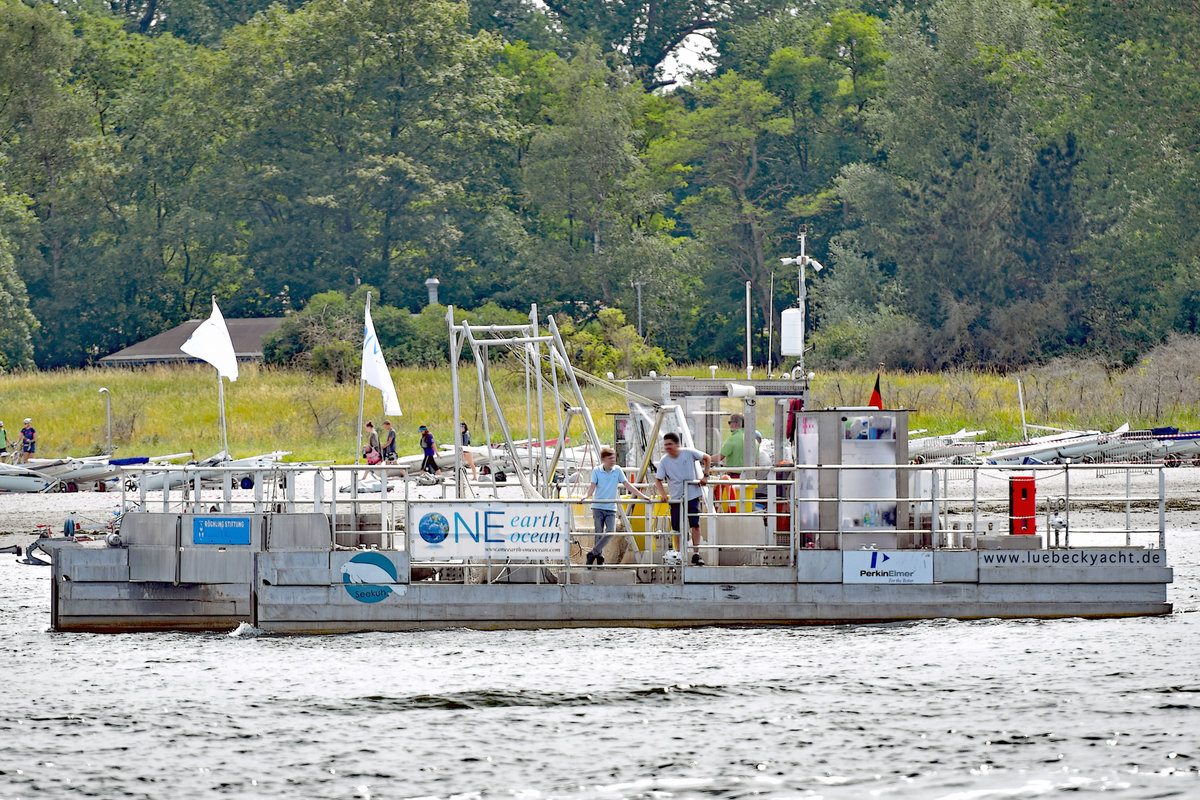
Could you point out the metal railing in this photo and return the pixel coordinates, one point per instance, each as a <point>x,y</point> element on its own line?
<point>763,520</point>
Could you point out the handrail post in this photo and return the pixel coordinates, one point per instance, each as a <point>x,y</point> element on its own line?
<point>1067,502</point>
<point>975,506</point>
<point>793,512</point>
<point>1162,509</point>
<point>1128,504</point>
<point>934,513</point>
<point>840,520</point>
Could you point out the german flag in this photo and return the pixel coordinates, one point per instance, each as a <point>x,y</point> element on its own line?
<point>876,397</point>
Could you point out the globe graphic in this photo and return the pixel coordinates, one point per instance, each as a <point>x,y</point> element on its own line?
<point>433,528</point>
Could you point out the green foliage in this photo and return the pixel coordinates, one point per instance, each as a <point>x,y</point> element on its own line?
<point>326,335</point>
<point>992,182</point>
<point>647,31</point>
<point>607,344</point>
<point>16,323</point>
<point>941,212</point>
<point>362,128</point>
<point>163,410</point>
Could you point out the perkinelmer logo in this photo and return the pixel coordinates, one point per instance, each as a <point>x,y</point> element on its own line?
<point>875,571</point>
<point>366,577</point>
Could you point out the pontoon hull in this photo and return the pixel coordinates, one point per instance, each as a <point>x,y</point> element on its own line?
<point>305,591</point>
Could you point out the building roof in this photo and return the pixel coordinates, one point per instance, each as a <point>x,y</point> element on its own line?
<point>247,336</point>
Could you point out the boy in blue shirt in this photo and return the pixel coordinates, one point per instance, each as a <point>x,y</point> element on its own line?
<point>607,479</point>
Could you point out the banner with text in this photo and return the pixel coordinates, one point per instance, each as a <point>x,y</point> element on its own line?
<point>533,530</point>
<point>887,566</point>
<point>1081,557</point>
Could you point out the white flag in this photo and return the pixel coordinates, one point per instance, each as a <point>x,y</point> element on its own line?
<point>375,371</point>
<point>210,342</point>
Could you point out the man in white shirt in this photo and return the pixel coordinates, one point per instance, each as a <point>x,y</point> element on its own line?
<point>678,466</point>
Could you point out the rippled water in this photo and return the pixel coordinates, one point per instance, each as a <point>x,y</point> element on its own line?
<point>944,709</point>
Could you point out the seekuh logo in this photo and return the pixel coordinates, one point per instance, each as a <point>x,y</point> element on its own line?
<point>367,575</point>
<point>434,528</point>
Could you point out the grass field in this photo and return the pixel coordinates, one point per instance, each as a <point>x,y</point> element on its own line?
<point>174,409</point>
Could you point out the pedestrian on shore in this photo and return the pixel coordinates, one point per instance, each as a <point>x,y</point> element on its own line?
<point>607,479</point>
<point>3,443</point>
<point>370,450</point>
<point>28,440</point>
<point>389,443</point>
<point>428,448</point>
<point>678,466</point>
<point>465,435</point>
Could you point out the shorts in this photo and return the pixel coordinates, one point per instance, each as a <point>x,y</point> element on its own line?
<point>693,512</point>
<point>28,447</point>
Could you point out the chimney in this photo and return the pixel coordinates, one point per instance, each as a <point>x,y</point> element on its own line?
<point>432,285</point>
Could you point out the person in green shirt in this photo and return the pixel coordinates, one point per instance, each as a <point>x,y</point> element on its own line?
<point>731,454</point>
<point>3,442</point>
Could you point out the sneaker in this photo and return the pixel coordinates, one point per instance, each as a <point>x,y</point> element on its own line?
<point>599,561</point>
<point>697,561</point>
<point>590,559</point>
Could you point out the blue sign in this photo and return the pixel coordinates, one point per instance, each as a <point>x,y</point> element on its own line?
<point>220,530</point>
<point>367,575</point>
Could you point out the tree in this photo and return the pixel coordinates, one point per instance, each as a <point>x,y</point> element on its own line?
<point>197,21</point>
<point>585,159</point>
<point>17,324</point>
<point>722,142</point>
<point>360,133</point>
<point>649,31</point>
<point>607,344</point>
<point>111,162</point>
<point>1138,176</point>
<point>942,210</point>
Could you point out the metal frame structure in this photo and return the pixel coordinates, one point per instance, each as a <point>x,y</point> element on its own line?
<point>536,349</point>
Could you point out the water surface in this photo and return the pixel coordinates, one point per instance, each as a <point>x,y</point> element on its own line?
<point>942,709</point>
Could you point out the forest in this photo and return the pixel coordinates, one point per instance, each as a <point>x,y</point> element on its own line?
<point>989,183</point>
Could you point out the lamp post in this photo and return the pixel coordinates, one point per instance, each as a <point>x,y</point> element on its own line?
<point>801,261</point>
<point>638,286</point>
<point>108,448</point>
<point>749,360</point>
